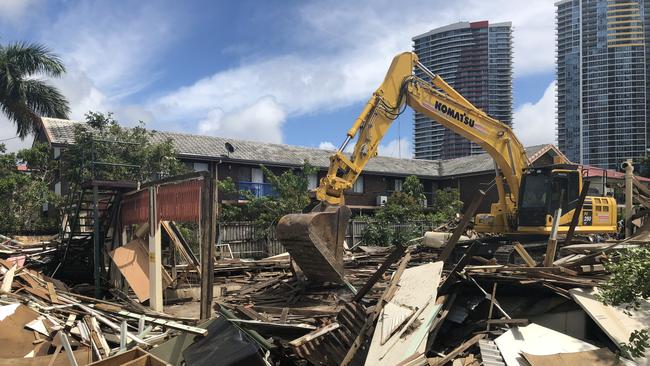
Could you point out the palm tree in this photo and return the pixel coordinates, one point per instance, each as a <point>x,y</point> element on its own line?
<point>23,96</point>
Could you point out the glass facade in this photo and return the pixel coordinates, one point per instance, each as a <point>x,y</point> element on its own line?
<point>475,59</point>
<point>602,80</point>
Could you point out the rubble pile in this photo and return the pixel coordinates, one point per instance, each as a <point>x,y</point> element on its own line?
<point>43,323</point>
<point>425,312</point>
<point>400,305</point>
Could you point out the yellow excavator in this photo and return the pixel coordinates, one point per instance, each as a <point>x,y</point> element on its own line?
<point>528,196</point>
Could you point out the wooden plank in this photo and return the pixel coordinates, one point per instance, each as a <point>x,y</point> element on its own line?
<point>311,312</point>
<point>8,280</point>
<point>576,212</point>
<point>315,334</point>
<point>184,243</point>
<point>530,262</point>
<point>98,336</point>
<point>492,298</point>
<point>132,260</point>
<point>283,316</point>
<point>162,322</point>
<point>190,259</point>
<point>510,322</point>
<point>551,248</point>
<point>252,313</point>
<point>396,254</point>
<point>592,268</point>
<point>140,361</point>
<point>451,355</point>
<point>208,240</point>
<point>109,323</point>
<point>467,217</point>
<point>68,349</point>
<point>449,281</point>
<point>50,289</point>
<point>386,296</point>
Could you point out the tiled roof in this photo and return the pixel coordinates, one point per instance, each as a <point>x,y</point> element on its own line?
<point>61,132</point>
<point>483,162</point>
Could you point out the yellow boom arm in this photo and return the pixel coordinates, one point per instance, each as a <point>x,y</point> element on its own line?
<point>438,101</point>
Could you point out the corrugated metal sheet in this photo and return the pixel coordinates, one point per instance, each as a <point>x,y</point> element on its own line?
<point>180,201</point>
<point>490,353</point>
<point>135,208</point>
<point>176,202</point>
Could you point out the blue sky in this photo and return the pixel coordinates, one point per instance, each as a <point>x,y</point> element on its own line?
<point>296,72</point>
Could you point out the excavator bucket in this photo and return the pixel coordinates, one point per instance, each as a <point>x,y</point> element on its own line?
<point>315,241</point>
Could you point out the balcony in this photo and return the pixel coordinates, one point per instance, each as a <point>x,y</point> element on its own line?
<point>257,189</point>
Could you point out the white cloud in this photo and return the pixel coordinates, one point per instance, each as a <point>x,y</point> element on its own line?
<point>339,54</point>
<point>534,123</point>
<point>110,53</point>
<point>113,45</point>
<point>356,41</point>
<point>326,145</point>
<point>13,10</point>
<point>261,121</point>
<point>398,148</point>
<point>8,136</point>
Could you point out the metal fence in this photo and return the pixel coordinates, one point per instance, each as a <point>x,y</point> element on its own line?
<point>246,241</point>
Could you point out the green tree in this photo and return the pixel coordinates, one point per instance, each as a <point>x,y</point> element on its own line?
<point>291,195</point>
<point>395,222</point>
<point>401,218</point>
<point>446,204</point>
<point>23,96</point>
<point>137,157</point>
<point>627,285</point>
<point>23,193</point>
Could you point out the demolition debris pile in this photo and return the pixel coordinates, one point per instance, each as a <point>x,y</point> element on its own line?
<point>396,306</point>
<point>423,312</point>
<point>43,323</point>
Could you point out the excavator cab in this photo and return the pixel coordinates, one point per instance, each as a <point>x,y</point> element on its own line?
<point>541,193</point>
<point>545,189</point>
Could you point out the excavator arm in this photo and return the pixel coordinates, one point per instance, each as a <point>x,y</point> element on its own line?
<point>437,100</point>
<point>315,239</point>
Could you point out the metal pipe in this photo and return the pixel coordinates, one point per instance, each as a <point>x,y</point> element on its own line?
<point>629,176</point>
<point>345,143</point>
<point>424,69</point>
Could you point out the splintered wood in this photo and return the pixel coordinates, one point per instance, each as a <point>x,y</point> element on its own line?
<point>42,322</point>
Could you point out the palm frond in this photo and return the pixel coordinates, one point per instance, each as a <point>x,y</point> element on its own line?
<point>22,59</point>
<point>23,117</point>
<point>43,99</point>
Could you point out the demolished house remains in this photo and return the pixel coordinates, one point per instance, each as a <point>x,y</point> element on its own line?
<point>122,283</point>
<point>421,303</point>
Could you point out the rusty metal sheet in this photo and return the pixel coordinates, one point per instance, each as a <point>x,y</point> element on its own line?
<point>135,208</point>
<point>180,201</point>
<point>175,201</point>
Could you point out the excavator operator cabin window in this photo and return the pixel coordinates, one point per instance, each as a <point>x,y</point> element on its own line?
<point>560,184</point>
<point>573,192</point>
<point>535,191</point>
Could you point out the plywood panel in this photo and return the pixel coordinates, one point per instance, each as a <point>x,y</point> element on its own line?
<point>132,260</point>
